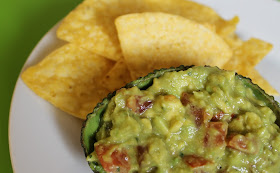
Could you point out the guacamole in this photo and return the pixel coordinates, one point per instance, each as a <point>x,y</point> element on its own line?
<point>202,119</point>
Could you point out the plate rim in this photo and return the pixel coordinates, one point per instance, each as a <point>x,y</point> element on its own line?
<point>32,53</point>
<point>11,116</point>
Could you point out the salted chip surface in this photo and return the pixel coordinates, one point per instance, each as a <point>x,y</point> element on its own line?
<point>117,77</point>
<point>248,54</point>
<point>158,40</point>
<point>264,84</point>
<point>194,11</point>
<point>67,79</point>
<point>257,49</point>
<point>233,41</point>
<point>91,24</point>
<point>227,28</point>
<point>246,57</point>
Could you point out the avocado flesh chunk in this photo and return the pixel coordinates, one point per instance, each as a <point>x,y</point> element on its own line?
<point>94,120</point>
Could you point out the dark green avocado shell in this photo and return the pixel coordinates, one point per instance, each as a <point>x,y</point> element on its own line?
<point>91,124</point>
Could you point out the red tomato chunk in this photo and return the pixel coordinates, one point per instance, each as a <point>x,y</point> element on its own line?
<point>216,134</point>
<point>118,159</point>
<point>137,105</point>
<point>196,161</point>
<point>243,144</point>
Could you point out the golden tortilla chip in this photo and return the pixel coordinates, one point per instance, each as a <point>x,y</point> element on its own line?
<point>233,41</point>
<point>210,26</point>
<point>227,28</point>
<point>158,40</point>
<point>91,24</point>
<point>189,9</point>
<point>257,49</point>
<point>248,55</point>
<point>67,79</point>
<point>117,77</point>
<point>259,80</point>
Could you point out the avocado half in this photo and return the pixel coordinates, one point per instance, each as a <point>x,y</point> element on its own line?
<point>92,123</point>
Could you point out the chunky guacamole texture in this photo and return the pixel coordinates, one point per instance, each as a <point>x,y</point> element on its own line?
<point>202,119</point>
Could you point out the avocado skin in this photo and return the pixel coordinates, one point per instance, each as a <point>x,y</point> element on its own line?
<point>92,123</point>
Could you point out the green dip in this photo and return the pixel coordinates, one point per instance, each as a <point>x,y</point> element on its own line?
<point>200,120</point>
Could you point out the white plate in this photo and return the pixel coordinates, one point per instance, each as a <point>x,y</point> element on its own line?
<point>44,139</point>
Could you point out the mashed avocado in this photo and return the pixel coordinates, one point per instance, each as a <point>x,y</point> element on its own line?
<point>200,120</point>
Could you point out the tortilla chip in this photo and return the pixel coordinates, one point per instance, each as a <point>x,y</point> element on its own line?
<point>257,50</point>
<point>210,26</point>
<point>91,24</point>
<point>158,40</point>
<point>67,79</point>
<point>117,77</point>
<point>193,11</point>
<point>248,55</point>
<point>233,41</point>
<point>227,28</point>
<point>259,80</point>
<point>189,9</point>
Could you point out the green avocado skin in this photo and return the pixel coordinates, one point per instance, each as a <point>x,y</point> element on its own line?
<point>92,124</point>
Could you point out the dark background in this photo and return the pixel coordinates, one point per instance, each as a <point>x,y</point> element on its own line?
<point>22,24</point>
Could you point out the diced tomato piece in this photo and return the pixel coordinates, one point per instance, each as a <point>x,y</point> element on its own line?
<point>113,161</point>
<point>216,133</point>
<point>196,161</point>
<point>136,105</point>
<point>243,143</point>
<point>144,106</point>
<point>140,154</point>
<point>233,115</point>
<point>218,116</point>
<point>199,114</point>
<point>219,126</point>
<point>185,98</point>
